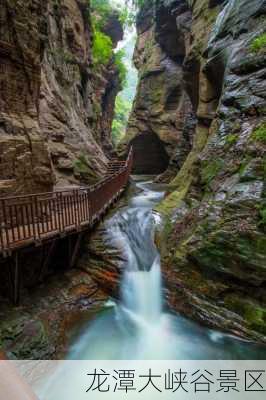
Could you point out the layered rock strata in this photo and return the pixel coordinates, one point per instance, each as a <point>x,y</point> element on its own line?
<point>56,110</point>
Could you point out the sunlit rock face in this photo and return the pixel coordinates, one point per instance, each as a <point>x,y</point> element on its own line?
<point>213,244</point>
<point>161,107</point>
<point>56,112</point>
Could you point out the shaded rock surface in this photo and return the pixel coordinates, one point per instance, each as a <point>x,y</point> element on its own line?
<point>50,315</point>
<point>55,110</point>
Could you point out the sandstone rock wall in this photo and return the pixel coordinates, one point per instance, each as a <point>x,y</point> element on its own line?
<point>55,111</point>
<point>213,242</point>
<point>25,161</point>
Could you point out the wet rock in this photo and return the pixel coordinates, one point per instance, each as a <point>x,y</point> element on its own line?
<point>50,315</point>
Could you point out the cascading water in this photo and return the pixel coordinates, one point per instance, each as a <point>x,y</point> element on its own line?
<point>137,327</point>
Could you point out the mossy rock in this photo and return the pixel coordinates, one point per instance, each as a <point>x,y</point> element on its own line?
<point>253,312</point>
<point>259,134</point>
<point>83,170</point>
<point>238,254</point>
<point>210,170</point>
<point>258,44</point>
<point>231,139</point>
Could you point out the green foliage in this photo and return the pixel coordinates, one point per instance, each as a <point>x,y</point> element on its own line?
<point>231,139</point>
<point>102,9</point>
<point>81,164</point>
<point>258,45</point>
<point>210,170</point>
<point>262,216</point>
<point>259,134</point>
<point>140,3</point>
<point>122,110</point>
<point>102,48</point>
<point>121,66</point>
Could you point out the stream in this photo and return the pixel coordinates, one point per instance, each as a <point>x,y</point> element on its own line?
<point>138,326</point>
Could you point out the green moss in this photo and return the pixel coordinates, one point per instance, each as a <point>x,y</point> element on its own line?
<point>62,56</point>
<point>231,139</point>
<point>163,234</point>
<point>121,66</point>
<point>262,216</point>
<point>102,48</point>
<point>242,167</point>
<point>210,170</point>
<point>82,168</point>
<point>253,313</point>
<point>259,134</point>
<point>122,110</point>
<point>172,201</point>
<point>179,186</point>
<point>258,45</point>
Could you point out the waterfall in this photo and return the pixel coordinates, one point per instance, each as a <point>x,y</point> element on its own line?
<point>141,293</point>
<point>137,326</point>
<point>132,229</point>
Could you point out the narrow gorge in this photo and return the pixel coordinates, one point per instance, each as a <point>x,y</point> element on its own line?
<point>184,249</point>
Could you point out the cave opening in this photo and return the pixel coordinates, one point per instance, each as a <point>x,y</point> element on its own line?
<point>149,154</point>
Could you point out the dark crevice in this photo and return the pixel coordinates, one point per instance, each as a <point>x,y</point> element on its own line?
<point>150,156</point>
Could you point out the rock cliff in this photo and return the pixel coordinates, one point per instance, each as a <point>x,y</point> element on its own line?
<point>161,122</point>
<point>56,109</point>
<point>202,93</point>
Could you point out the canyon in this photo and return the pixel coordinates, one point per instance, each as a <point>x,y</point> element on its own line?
<point>202,93</point>
<point>197,126</point>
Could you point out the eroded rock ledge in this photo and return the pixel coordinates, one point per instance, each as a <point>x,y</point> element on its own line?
<point>213,243</point>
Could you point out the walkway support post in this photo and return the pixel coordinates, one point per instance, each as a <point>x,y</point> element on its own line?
<point>37,219</point>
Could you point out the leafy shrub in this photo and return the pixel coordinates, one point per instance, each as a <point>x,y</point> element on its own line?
<point>122,69</point>
<point>122,110</point>
<point>81,164</point>
<point>102,48</point>
<point>258,45</point>
<point>102,9</point>
<point>210,169</point>
<point>262,215</point>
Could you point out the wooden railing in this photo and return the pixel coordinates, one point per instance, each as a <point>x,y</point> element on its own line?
<point>32,218</point>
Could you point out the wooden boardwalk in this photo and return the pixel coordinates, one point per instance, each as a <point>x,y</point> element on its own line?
<point>31,220</point>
